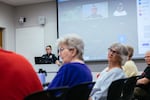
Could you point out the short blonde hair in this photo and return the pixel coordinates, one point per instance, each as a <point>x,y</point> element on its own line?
<point>73,41</point>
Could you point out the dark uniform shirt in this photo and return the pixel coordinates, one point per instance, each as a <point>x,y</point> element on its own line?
<point>49,58</point>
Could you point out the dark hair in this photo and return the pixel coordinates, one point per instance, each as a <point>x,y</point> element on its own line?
<point>49,46</point>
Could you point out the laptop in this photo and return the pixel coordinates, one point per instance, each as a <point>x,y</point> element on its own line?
<point>40,60</point>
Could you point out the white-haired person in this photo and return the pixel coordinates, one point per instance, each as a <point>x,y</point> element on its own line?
<point>142,88</point>
<point>73,71</point>
<point>117,55</point>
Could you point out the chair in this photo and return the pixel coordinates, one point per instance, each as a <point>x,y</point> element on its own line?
<point>53,94</point>
<point>141,98</point>
<point>115,90</point>
<point>128,88</point>
<point>122,89</point>
<point>80,92</point>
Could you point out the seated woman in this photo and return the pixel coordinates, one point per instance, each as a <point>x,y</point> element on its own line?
<point>129,67</point>
<point>117,55</point>
<point>73,71</point>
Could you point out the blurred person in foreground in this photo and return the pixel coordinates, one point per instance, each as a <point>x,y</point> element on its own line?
<point>73,71</point>
<point>117,56</point>
<point>129,67</point>
<point>17,77</point>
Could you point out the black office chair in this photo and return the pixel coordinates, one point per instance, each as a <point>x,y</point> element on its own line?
<point>122,89</point>
<point>141,98</point>
<point>115,90</point>
<point>128,89</point>
<point>80,92</point>
<point>53,94</point>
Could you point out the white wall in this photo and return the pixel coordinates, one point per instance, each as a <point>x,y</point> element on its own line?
<point>31,13</point>
<point>30,42</point>
<point>7,21</point>
<point>48,9</point>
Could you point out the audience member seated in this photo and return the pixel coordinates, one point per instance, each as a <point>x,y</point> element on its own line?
<point>117,55</point>
<point>143,83</point>
<point>18,79</point>
<point>73,71</point>
<point>129,67</point>
<point>49,57</point>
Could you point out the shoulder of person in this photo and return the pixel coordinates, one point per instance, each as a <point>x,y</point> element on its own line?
<point>70,65</point>
<point>129,63</point>
<point>66,67</point>
<point>53,55</point>
<point>116,71</point>
<point>44,55</point>
<point>147,68</point>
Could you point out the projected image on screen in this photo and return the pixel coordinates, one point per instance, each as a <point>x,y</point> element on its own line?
<point>143,14</point>
<point>103,22</point>
<point>96,10</point>
<point>120,10</point>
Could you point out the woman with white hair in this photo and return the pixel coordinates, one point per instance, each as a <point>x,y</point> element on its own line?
<point>73,70</point>
<point>117,56</point>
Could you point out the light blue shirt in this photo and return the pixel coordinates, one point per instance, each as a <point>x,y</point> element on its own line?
<point>102,84</point>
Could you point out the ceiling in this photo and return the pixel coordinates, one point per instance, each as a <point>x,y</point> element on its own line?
<point>23,2</point>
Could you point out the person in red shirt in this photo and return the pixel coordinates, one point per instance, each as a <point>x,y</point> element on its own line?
<point>17,77</point>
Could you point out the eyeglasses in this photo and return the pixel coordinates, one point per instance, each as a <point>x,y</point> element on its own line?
<point>113,51</point>
<point>146,57</point>
<point>62,49</point>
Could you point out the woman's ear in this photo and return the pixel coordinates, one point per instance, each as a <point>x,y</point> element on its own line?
<point>74,52</point>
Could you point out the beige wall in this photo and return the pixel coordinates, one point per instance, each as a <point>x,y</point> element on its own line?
<point>32,12</point>
<point>7,22</point>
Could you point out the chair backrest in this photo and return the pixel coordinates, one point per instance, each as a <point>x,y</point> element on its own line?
<point>80,92</point>
<point>122,89</point>
<point>52,94</point>
<point>115,89</point>
<point>128,89</point>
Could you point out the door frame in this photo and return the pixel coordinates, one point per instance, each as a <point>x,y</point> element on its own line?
<point>2,29</point>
